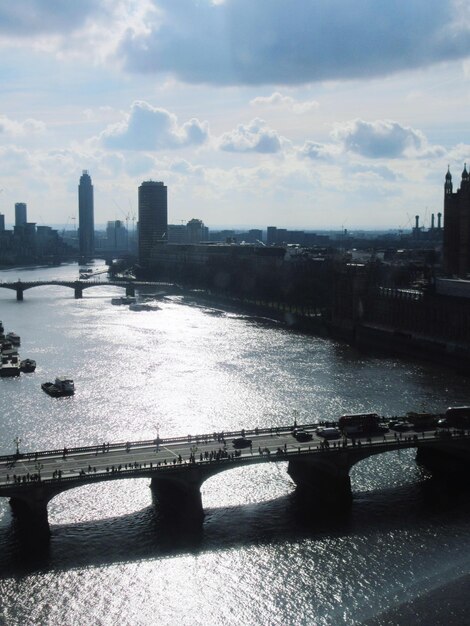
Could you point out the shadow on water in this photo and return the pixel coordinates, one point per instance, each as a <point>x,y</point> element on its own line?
<point>145,535</point>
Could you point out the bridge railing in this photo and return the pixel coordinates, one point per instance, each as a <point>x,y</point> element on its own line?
<point>189,439</point>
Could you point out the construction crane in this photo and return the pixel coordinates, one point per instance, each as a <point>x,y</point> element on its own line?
<point>67,223</point>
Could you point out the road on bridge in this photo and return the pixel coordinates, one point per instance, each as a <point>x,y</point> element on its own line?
<point>106,458</point>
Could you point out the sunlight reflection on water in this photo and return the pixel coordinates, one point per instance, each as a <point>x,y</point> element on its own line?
<point>192,369</point>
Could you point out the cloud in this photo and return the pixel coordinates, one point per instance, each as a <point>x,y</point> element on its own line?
<point>317,151</point>
<point>277,100</point>
<point>380,139</point>
<point>14,159</point>
<point>181,166</point>
<point>12,128</point>
<point>32,17</point>
<point>371,172</point>
<point>255,42</point>
<point>253,137</point>
<point>150,128</point>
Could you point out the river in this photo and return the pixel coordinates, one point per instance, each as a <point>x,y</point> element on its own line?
<point>191,368</point>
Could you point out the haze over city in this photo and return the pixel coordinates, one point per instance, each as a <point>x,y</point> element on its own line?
<point>252,113</point>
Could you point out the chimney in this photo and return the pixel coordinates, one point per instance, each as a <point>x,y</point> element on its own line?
<point>417,222</point>
<point>432,221</point>
<point>439,216</point>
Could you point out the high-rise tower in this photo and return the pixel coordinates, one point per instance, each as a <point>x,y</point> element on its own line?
<point>20,214</point>
<point>153,218</point>
<point>86,225</point>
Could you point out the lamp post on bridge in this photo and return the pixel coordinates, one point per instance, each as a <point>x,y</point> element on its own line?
<point>157,441</point>
<point>17,441</point>
<point>38,468</point>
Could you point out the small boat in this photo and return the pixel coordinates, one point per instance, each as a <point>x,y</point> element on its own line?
<point>143,306</point>
<point>27,366</point>
<point>8,349</point>
<point>123,300</point>
<point>13,338</point>
<point>62,386</point>
<point>9,366</point>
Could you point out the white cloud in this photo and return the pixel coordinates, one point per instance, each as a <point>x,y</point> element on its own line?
<point>181,166</point>
<point>150,128</point>
<point>13,128</point>
<point>369,172</point>
<point>255,136</point>
<point>318,151</point>
<point>277,100</point>
<point>380,139</point>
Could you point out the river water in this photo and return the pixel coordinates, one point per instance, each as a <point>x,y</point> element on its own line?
<point>190,368</point>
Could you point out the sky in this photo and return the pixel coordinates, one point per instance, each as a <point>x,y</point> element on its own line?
<point>313,114</point>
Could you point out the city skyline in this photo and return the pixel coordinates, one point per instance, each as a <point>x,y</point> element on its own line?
<point>297,126</point>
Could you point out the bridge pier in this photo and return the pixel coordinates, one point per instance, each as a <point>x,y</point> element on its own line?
<point>78,291</point>
<point>178,498</point>
<point>19,294</point>
<point>321,485</point>
<point>130,291</point>
<point>30,511</point>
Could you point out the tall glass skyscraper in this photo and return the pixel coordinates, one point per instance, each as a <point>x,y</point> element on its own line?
<point>153,218</point>
<point>86,224</point>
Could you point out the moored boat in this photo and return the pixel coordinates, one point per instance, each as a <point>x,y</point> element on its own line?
<point>27,365</point>
<point>143,306</point>
<point>123,300</point>
<point>13,338</point>
<point>9,366</point>
<point>62,386</point>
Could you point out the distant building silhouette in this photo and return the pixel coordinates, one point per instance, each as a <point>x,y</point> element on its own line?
<point>2,222</point>
<point>456,246</point>
<point>86,225</point>
<point>20,214</point>
<point>116,236</point>
<point>153,218</point>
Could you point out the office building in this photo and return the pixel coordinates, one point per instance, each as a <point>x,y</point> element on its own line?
<point>2,222</point>
<point>86,224</point>
<point>20,214</point>
<point>116,236</point>
<point>153,218</point>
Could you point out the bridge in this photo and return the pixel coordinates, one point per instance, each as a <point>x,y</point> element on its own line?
<point>177,467</point>
<point>80,285</point>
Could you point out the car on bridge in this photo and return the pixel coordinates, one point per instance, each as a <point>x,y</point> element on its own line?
<point>328,433</point>
<point>241,442</point>
<point>400,426</point>
<point>302,435</point>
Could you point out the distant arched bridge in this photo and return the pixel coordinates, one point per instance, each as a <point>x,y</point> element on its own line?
<point>178,467</point>
<point>80,285</point>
